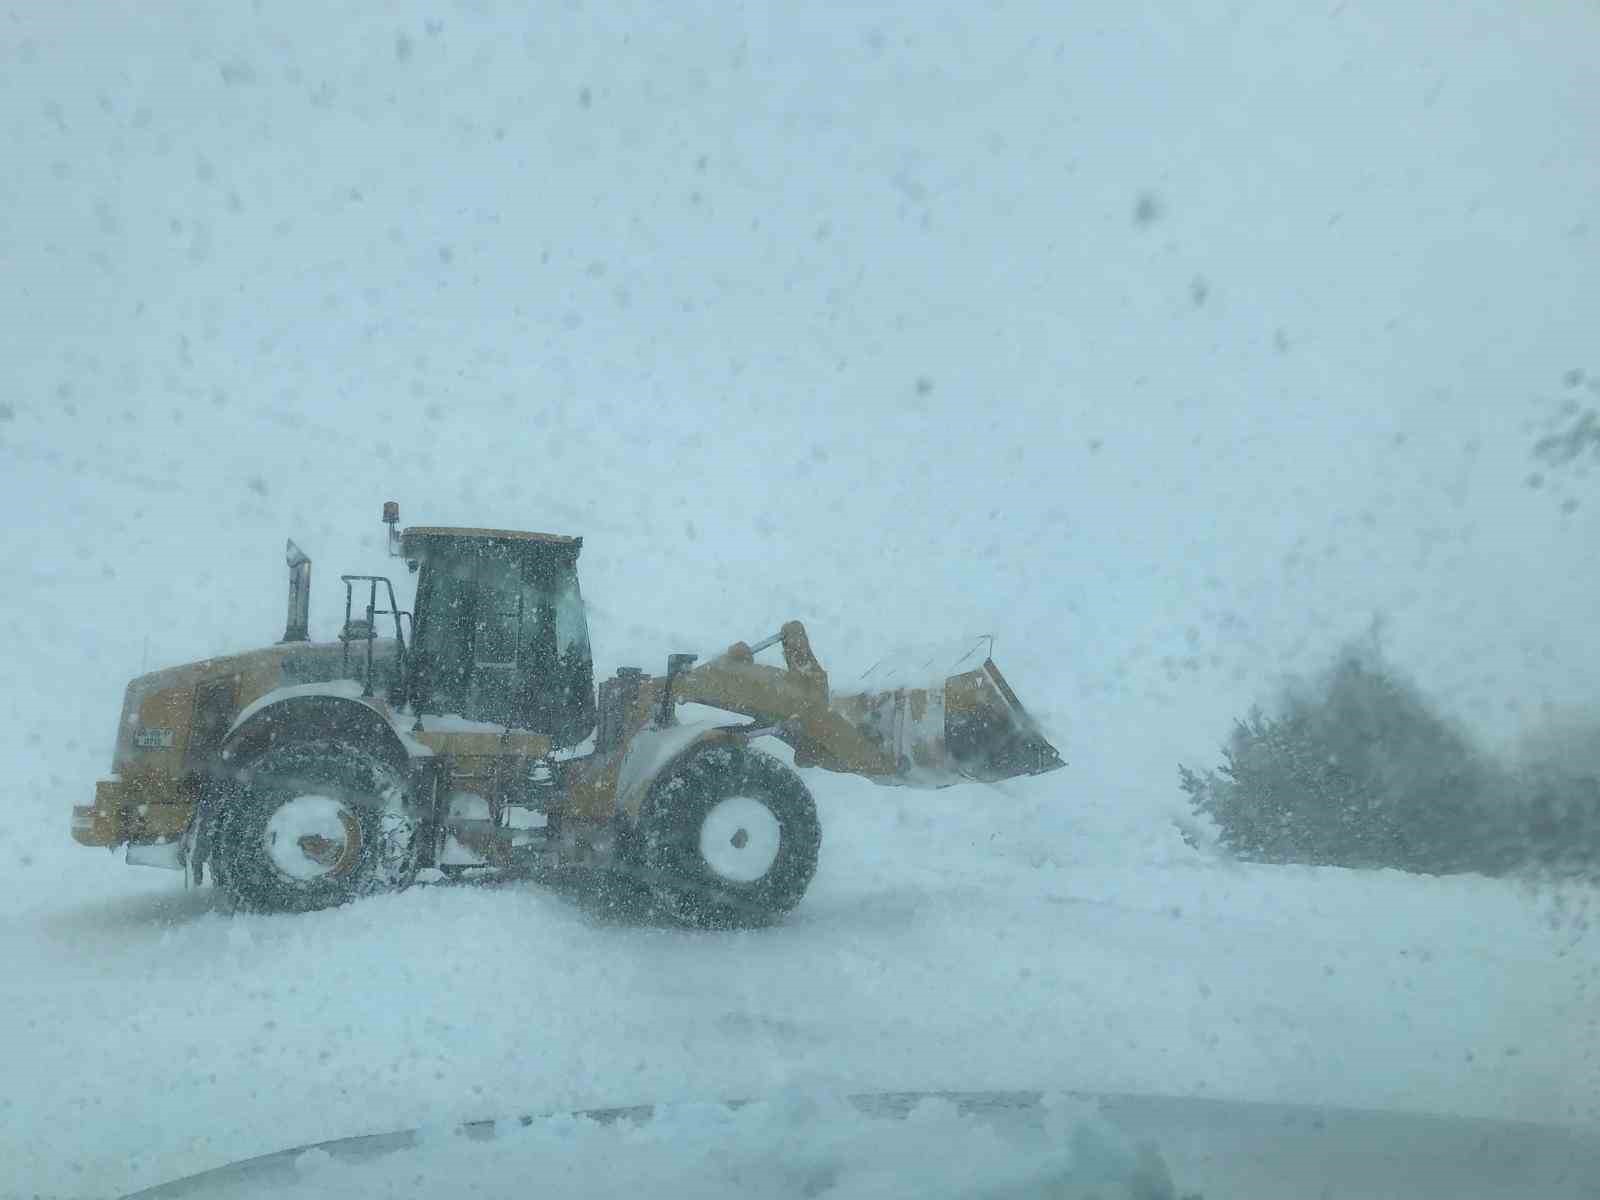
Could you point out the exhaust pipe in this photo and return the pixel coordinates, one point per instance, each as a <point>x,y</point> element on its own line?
<point>299,593</point>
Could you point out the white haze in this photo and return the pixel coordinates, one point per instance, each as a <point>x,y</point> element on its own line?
<point>1173,344</point>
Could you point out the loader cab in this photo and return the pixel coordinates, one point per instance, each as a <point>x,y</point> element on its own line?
<point>500,633</point>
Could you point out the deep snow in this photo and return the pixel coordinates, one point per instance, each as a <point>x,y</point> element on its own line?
<point>1168,347</point>
<point>1007,938</point>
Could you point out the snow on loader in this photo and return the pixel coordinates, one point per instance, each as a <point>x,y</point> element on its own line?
<point>304,774</point>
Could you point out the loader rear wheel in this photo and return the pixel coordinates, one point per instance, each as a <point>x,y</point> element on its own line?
<point>315,825</point>
<point>735,835</point>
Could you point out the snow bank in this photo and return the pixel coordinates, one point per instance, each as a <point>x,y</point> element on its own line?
<point>802,1144</point>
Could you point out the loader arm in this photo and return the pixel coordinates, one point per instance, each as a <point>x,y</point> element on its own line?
<point>971,727</point>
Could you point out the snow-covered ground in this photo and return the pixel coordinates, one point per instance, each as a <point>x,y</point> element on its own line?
<point>1169,348</point>
<point>973,939</point>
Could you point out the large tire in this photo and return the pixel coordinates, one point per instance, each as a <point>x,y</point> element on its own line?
<point>732,834</point>
<point>313,825</point>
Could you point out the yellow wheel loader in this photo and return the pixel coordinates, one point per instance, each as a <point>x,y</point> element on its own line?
<point>469,738</point>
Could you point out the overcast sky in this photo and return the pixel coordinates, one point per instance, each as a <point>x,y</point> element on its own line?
<point>1170,343</point>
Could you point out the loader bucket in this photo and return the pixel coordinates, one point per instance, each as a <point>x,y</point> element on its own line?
<point>969,727</point>
<point>923,720</point>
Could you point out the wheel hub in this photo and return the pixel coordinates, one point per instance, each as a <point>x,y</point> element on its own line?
<point>739,839</point>
<point>313,837</point>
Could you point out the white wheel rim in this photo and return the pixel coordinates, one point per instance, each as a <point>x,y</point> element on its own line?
<point>739,839</point>
<point>312,837</point>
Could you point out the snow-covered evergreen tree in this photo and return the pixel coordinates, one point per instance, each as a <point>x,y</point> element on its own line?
<point>1357,769</point>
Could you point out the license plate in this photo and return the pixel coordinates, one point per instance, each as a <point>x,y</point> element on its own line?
<point>153,739</point>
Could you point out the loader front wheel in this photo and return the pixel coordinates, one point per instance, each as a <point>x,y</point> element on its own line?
<point>315,825</point>
<point>734,833</point>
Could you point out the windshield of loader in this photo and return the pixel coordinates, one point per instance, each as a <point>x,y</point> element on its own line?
<point>1165,432</point>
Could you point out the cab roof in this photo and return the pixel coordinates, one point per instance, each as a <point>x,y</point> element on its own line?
<point>517,535</point>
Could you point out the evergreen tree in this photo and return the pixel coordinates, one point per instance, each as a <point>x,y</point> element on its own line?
<point>1356,770</point>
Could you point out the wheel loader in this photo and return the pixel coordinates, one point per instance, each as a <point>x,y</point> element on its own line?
<point>466,736</point>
